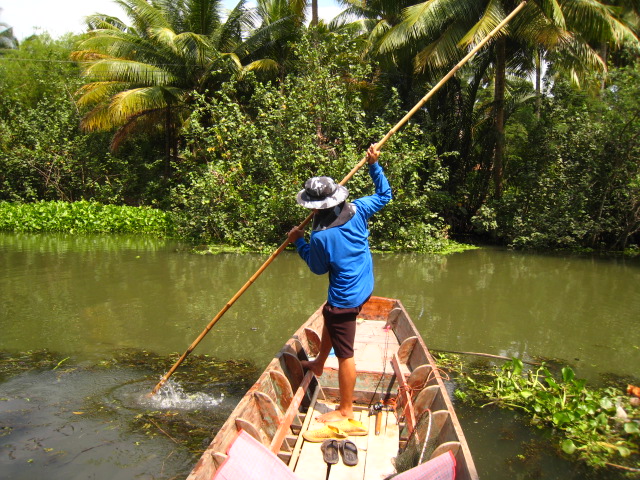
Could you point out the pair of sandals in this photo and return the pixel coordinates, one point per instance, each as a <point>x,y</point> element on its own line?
<point>331,449</point>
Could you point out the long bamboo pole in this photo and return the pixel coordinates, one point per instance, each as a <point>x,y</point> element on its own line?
<point>304,223</point>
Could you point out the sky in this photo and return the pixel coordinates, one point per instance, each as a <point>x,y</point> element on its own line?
<point>61,16</point>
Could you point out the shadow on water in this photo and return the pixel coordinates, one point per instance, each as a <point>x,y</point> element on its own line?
<point>64,420</point>
<point>505,445</point>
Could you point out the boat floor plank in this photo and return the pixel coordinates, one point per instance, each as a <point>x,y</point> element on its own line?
<point>311,465</point>
<point>372,345</point>
<point>344,472</point>
<point>383,448</point>
<point>375,452</point>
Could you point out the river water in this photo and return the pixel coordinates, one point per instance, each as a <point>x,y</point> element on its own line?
<point>83,301</point>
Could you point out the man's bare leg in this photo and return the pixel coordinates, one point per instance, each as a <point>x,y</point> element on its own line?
<point>317,364</point>
<point>347,383</point>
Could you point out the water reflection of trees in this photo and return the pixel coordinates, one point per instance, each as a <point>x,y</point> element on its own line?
<point>522,304</point>
<point>91,295</point>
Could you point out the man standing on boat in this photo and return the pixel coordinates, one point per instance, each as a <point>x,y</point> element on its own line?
<point>339,246</point>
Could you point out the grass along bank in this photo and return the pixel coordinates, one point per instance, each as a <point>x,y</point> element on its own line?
<point>83,217</point>
<point>90,217</point>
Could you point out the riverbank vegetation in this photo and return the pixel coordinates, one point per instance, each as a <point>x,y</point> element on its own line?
<point>597,425</point>
<point>219,117</point>
<point>83,217</point>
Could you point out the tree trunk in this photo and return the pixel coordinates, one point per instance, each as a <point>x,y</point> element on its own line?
<point>604,54</point>
<point>167,143</point>
<point>499,115</point>
<point>538,82</point>
<point>314,13</point>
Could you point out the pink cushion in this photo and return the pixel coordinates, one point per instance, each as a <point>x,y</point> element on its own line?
<point>443,467</point>
<point>248,459</point>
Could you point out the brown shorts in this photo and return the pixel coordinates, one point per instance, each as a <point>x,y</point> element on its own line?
<point>341,324</point>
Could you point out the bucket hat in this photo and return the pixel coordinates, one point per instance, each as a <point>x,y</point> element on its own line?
<point>321,192</point>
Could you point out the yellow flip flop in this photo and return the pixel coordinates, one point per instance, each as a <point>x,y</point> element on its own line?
<point>351,426</point>
<point>321,434</point>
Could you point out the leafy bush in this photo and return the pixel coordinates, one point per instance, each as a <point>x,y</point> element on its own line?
<point>43,153</point>
<point>83,217</point>
<point>574,182</point>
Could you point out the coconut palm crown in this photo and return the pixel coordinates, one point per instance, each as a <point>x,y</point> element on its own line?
<point>144,75</point>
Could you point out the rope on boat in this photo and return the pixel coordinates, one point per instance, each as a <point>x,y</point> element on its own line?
<point>489,355</point>
<point>385,356</point>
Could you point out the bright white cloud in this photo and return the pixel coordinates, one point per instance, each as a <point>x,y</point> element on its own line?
<point>56,17</point>
<point>61,16</point>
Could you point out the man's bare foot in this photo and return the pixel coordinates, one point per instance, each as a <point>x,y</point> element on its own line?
<point>333,416</point>
<point>314,366</point>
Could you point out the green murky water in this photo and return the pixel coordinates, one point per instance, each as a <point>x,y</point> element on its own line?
<point>80,411</point>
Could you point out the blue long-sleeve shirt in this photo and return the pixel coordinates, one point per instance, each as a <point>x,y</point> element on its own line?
<point>343,251</point>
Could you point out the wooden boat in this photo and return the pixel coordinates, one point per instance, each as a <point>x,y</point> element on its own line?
<point>394,369</point>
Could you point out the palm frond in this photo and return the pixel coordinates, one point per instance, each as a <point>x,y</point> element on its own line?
<point>194,48</point>
<point>268,34</point>
<point>490,19</point>
<point>97,92</point>
<point>551,9</point>
<point>129,71</point>
<point>144,15</point>
<point>164,36</point>
<point>574,55</point>
<point>443,51</point>
<point>99,21</point>
<point>133,101</point>
<point>141,121</point>
<point>596,22</point>
<point>427,19</point>
<point>229,34</point>
<point>264,65</point>
<point>98,119</point>
<point>201,16</point>
<point>117,44</point>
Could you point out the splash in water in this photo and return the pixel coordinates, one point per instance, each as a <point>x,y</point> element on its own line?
<point>172,395</point>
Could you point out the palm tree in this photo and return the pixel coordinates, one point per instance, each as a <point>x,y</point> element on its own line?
<point>566,29</point>
<point>275,26</point>
<point>373,20</point>
<point>143,76</point>
<point>628,11</point>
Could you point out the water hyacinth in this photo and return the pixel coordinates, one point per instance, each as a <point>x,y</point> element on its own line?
<point>82,218</point>
<point>596,425</point>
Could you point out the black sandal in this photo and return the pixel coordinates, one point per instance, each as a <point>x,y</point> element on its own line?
<point>330,449</point>
<point>349,453</point>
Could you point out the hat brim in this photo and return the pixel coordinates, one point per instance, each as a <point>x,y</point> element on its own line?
<point>339,196</point>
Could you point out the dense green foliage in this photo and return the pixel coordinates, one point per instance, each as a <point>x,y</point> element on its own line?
<point>220,118</point>
<point>256,159</point>
<point>597,425</point>
<point>43,153</point>
<point>574,176</point>
<point>83,217</point>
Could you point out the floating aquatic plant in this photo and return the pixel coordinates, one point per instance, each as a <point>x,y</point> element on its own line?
<point>597,425</point>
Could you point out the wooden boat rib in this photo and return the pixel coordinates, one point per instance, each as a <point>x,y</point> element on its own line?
<point>393,366</point>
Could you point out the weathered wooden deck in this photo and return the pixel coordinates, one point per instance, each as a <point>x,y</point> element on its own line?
<point>374,348</point>
<point>375,452</point>
<point>392,365</point>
